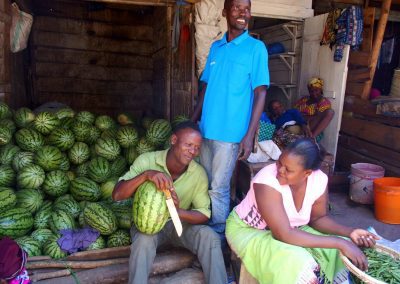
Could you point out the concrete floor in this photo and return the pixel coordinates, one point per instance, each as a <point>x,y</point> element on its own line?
<point>349,213</point>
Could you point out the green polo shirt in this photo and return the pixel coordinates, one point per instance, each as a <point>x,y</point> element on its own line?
<point>191,187</point>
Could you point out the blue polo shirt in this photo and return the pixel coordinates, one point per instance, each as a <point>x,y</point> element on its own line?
<point>232,72</point>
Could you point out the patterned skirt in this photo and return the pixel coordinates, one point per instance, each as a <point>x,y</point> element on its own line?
<point>271,261</point>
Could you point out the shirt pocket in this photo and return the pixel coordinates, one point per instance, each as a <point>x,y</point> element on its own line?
<point>239,77</point>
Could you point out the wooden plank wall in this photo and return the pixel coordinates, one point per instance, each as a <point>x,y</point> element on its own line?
<point>5,22</point>
<point>93,57</point>
<point>368,138</point>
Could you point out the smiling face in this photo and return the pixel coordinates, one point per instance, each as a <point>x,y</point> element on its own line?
<point>290,169</point>
<point>238,14</point>
<point>315,93</point>
<point>185,145</point>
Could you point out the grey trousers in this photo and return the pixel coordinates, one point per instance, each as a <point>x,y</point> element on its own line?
<point>201,240</point>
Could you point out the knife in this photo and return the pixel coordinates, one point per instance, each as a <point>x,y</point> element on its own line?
<point>173,213</point>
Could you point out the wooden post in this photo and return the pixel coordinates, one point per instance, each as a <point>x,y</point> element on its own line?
<point>168,62</point>
<point>380,31</point>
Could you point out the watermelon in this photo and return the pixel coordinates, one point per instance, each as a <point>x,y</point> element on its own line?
<point>178,119</point>
<point>104,122</point>
<point>15,222</point>
<point>5,135</point>
<point>127,136</point>
<point>144,146</point>
<point>23,117</point>
<point>45,122</point>
<point>32,176</point>
<point>64,165</point>
<point>42,235</point>
<point>79,153</point>
<point>124,216</point>
<point>107,187</point>
<point>131,154</point>
<point>86,117</point>
<point>29,139</point>
<point>109,133</point>
<point>65,112</point>
<point>83,188</point>
<point>49,158</point>
<point>8,123</point>
<point>99,169</point>
<point>100,218</point>
<point>42,218</point>
<point>8,199</point>
<point>46,205</point>
<point>150,212</point>
<point>30,245</point>
<point>119,238</point>
<point>81,130</point>
<point>60,220</point>
<point>62,138</point>
<point>107,148</point>
<point>125,119</point>
<point>69,206</point>
<point>5,111</point>
<point>7,153</point>
<point>22,160</point>
<point>146,121</point>
<point>52,249</point>
<point>118,167</point>
<point>29,199</point>
<point>7,175</point>
<point>82,170</point>
<point>70,175</point>
<point>158,132</point>
<point>56,183</point>
<point>100,243</point>
<point>94,134</point>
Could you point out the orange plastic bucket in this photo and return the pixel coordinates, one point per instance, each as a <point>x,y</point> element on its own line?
<point>387,199</point>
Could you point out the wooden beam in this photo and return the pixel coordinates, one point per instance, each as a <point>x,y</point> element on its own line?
<point>351,2</point>
<point>376,47</point>
<point>138,2</point>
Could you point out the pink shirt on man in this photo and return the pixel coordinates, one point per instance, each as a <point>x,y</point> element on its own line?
<point>248,210</point>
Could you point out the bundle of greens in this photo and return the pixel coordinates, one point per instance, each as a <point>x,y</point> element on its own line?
<point>382,267</point>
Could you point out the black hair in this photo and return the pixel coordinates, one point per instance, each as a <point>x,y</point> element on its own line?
<point>186,124</point>
<point>309,151</point>
<point>228,4</point>
<point>270,109</point>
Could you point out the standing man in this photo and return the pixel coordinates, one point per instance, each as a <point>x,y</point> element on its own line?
<point>233,89</point>
<point>175,170</point>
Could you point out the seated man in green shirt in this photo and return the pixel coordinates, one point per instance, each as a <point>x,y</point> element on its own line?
<point>175,170</point>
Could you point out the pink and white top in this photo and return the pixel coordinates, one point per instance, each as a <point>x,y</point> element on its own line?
<point>248,210</point>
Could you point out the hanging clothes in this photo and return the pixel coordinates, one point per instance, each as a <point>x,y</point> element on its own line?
<point>330,30</point>
<point>350,27</point>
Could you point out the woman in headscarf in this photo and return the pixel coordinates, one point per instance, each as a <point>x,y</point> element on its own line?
<point>315,108</point>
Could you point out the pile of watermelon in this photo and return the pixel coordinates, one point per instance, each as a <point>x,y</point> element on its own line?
<point>58,170</point>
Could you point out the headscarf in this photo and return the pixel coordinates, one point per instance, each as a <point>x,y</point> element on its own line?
<point>316,82</point>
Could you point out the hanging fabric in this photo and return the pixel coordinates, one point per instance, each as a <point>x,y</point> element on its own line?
<point>330,30</point>
<point>350,26</point>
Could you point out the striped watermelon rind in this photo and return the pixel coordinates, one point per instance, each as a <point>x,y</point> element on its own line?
<point>62,138</point>
<point>7,153</point>
<point>49,158</point>
<point>42,235</point>
<point>52,249</point>
<point>5,135</point>
<point>56,183</point>
<point>70,206</point>
<point>22,159</point>
<point>79,153</point>
<point>107,148</point>
<point>29,199</point>
<point>100,243</point>
<point>83,188</point>
<point>45,122</point>
<point>29,139</point>
<point>60,220</point>
<point>119,238</point>
<point>32,176</point>
<point>159,131</point>
<point>149,209</point>
<point>15,222</point>
<point>23,117</point>
<point>127,136</point>
<point>100,218</point>
<point>7,176</point>
<point>30,245</point>
<point>8,199</point>
<point>99,169</point>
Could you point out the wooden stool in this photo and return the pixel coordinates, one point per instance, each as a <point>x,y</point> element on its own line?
<point>240,271</point>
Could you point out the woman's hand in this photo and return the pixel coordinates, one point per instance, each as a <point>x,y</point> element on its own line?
<point>356,256</point>
<point>363,238</point>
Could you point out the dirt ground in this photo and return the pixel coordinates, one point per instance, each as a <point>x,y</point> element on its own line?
<point>349,213</point>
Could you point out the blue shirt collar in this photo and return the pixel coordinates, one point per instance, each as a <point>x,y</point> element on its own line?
<point>237,40</point>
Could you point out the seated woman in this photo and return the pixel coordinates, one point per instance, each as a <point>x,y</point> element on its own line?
<point>281,230</point>
<point>315,108</point>
<point>290,124</point>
